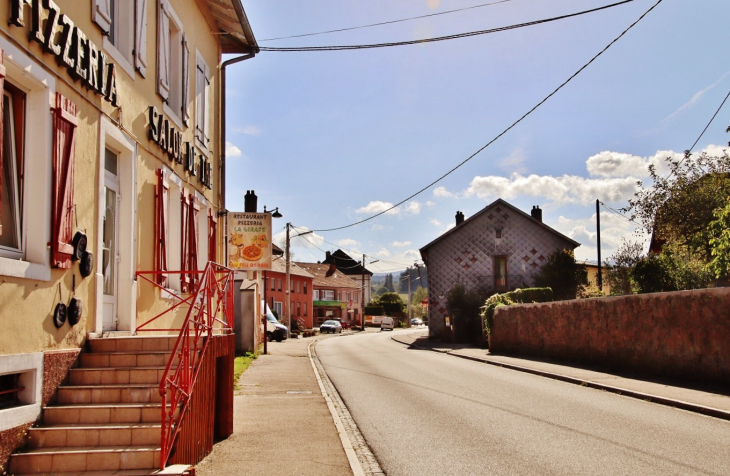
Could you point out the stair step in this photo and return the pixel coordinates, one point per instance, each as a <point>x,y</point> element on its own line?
<point>152,358</point>
<point>95,435</point>
<point>115,375</point>
<point>85,458</point>
<point>102,413</point>
<point>132,344</point>
<point>129,393</point>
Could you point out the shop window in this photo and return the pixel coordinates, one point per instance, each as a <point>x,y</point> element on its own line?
<point>328,295</point>
<point>202,103</point>
<point>11,180</point>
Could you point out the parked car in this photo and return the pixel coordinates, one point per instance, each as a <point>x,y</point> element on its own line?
<point>387,323</point>
<point>342,322</point>
<point>330,326</point>
<point>416,322</point>
<point>274,329</point>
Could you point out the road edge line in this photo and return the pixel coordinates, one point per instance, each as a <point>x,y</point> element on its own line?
<point>681,404</point>
<point>344,438</point>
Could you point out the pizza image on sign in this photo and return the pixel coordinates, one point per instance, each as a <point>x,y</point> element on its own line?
<point>252,253</point>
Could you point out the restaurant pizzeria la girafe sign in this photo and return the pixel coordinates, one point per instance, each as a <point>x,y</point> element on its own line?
<point>249,242</point>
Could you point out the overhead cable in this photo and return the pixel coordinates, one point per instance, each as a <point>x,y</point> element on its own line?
<point>385,22</point>
<point>501,133</point>
<point>438,38</point>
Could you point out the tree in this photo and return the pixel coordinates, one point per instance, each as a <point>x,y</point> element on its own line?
<point>389,283</point>
<point>618,274</point>
<point>391,303</point>
<point>418,295</point>
<point>678,208</point>
<point>562,274</point>
<point>463,304</point>
<point>719,231</point>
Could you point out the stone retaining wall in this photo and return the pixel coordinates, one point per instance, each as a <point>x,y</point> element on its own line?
<point>682,334</point>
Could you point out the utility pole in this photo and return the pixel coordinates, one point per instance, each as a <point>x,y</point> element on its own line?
<point>266,321</point>
<point>598,244</point>
<point>409,299</point>
<point>286,287</point>
<point>362,296</point>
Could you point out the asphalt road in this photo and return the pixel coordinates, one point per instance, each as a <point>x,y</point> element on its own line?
<point>424,413</point>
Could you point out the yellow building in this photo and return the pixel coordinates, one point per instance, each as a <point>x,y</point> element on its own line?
<point>113,153</point>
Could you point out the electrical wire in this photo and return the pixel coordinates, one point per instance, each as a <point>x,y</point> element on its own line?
<point>299,49</point>
<point>385,22</point>
<point>616,212</point>
<point>453,169</point>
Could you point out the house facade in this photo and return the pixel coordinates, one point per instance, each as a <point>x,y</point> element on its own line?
<point>301,292</point>
<point>352,269</point>
<point>334,295</point>
<point>498,249</point>
<point>111,165</point>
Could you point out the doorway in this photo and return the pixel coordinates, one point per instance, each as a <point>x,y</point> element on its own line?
<point>110,239</point>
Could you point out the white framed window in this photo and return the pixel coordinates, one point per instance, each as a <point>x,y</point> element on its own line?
<point>24,373</point>
<point>277,309</point>
<point>27,163</point>
<point>173,71</point>
<point>202,103</point>
<point>174,230</point>
<point>202,234</point>
<point>328,295</point>
<point>315,295</point>
<point>124,25</point>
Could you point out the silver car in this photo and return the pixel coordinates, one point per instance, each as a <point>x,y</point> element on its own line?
<point>331,326</point>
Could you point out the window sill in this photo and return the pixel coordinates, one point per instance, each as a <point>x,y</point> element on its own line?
<point>118,57</point>
<point>24,269</point>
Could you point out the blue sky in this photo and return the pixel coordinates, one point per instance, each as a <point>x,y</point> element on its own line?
<point>332,137</point>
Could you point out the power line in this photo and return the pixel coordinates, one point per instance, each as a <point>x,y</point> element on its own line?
<point>385,22</point>
<point>616,212</point>
<point>501,133</point>
<point>432,40</point>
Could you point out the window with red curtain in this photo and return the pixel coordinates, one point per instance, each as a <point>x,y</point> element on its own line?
<point>162,198</point>
<point>65,123</point>
<point>193,226</point>
<point>212,235</point>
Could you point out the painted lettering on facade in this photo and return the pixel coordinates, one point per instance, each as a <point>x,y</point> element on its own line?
<point>58,36</point>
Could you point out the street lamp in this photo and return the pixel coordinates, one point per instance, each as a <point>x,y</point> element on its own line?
<point>275,214</point>
<point>362,293</point>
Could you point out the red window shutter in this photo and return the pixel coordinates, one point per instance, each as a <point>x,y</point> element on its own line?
<point>193,240</point>
<point>64,139</point>
<point>185,248</point>
<point>162,199</point>
<point>2,135</point>
<point>212,235</point>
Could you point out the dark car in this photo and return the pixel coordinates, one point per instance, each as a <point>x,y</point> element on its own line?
<point>342,322</point>
<point>331,326</point>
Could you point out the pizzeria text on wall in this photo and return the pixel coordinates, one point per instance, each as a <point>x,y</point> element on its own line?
<point>249,241</point>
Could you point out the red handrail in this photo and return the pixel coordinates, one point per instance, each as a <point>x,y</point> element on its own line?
<point>210,311</point>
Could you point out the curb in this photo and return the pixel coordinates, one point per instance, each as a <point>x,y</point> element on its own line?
<point>692,407</point>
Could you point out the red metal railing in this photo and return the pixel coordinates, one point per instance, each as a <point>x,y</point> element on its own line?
<point>210,310</point>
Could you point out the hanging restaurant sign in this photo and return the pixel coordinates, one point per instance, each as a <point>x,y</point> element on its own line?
<point>58,36</point>
<point>163,133</point>
<point>249,241</point>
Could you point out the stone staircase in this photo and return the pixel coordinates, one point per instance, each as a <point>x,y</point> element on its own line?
<point>106,418</point>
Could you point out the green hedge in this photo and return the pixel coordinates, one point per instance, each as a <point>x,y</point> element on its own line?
<point>518,296</point>
<point>373,310</point>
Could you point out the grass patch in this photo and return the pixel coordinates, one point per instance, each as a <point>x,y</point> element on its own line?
<point>240,364</point>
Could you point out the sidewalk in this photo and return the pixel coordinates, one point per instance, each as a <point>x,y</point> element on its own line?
<point>282,424</point>
<point>712,401</point>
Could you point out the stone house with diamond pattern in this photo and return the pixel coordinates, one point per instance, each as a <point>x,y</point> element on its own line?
<point>500,248</point>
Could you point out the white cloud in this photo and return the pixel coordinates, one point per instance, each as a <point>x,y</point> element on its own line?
<point>310,240</point>
<point>514,162</point>
<point>376,206</point>
<point>348,242</point>
<point>614,231</point>
<point>694,99</point>
<point>430,204</point>
<point>400,243</point>
<point>435,222</point>
<point>382,252</point>
<point>411,254</point>
<point>232,150</point>
<point>442,192</point>
<point>249,130</point>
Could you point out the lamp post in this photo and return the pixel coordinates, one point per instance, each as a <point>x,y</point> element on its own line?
<point>288,269</point>
<point>362,293</point>
<point>274,214</point>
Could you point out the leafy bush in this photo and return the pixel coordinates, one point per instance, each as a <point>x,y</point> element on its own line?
<point>463,304</point>
<point>391,303</point>
<point>373,310</point>
<point>674,269</point>
<point>518,296</point>
<point>562,274</point>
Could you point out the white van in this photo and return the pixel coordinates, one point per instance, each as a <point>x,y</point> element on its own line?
<point>386,323</point>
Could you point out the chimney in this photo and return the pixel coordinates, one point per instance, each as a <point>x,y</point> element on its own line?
<point>537,213</point>
<point>328,256</point>
<point>331,271</point>
<point>250,202</point>
<point>459,218</point>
